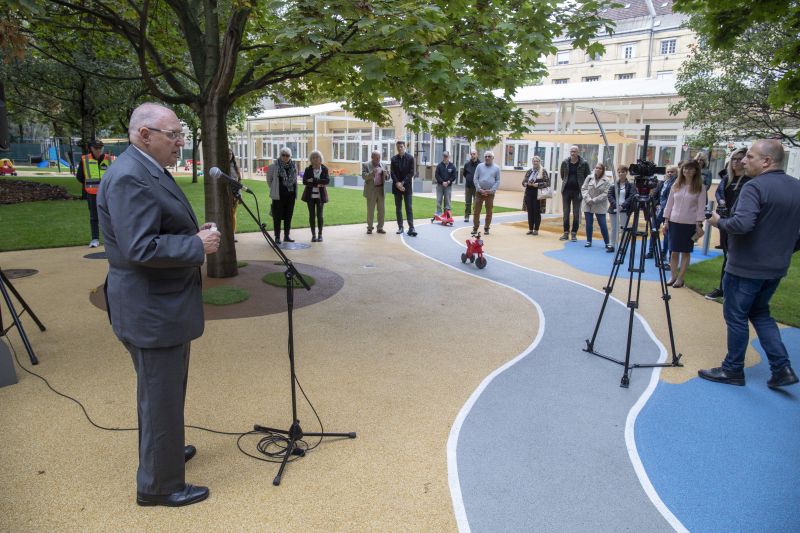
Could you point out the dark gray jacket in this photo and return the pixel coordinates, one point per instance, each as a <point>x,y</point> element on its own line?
<point>763,227</point>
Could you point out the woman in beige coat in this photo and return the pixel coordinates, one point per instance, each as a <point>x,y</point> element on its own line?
<point>595,202</point>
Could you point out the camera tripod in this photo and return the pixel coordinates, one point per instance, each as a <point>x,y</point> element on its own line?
<point>15,321</point>
<point>644,204</point>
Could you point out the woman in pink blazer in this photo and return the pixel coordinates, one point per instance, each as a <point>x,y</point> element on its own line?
<point>684,215</point>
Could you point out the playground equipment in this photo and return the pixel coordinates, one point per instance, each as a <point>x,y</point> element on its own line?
<point>474,252</point>
<point>445,218</point>
<point>7,168</point>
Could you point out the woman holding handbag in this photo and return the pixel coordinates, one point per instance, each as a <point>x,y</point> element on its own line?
<point>537,186</point>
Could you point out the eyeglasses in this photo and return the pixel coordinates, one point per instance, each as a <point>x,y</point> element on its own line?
<point>171,135</point>
<point>488,157</point>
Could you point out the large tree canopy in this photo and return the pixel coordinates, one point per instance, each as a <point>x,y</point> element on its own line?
<point>725,91</point>
<point>455,61</point>
<point>722,22</point>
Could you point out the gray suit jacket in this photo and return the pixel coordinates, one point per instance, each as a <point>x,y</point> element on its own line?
<point>153,286</point>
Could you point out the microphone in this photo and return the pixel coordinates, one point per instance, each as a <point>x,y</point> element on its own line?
<point>216,173</point>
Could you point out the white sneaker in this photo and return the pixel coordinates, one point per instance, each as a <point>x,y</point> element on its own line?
<point>94,244</point>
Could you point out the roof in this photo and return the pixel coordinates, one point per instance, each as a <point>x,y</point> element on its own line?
<point>636,88</point>
<point>287,112</point>
<point>637,8</point>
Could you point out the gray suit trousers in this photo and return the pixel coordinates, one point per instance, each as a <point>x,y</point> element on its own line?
<point>161,375</point>
<point>375,198</point>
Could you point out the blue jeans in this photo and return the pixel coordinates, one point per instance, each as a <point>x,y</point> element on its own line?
<point>745,299</point>
<point>601,221</point>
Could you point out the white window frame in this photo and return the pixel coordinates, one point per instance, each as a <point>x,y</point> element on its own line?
<point>590,79</point>
<point>665,75</point>
<point>623,50</point>
<point>671,46</point>
<point>345,144</point>
<point>517,152</point>
<point>626,76</point>
<point>562,54</point>
<point>561,81</point>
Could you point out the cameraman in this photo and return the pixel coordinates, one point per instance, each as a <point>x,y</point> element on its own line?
<point>762,234</point>
<point>727,193</point>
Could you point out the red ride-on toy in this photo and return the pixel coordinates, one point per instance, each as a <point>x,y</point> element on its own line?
<point>7,168</point>
<point>474,252</point>
<point>445,218</point>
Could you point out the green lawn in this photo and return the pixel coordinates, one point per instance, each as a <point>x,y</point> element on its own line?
<point>66,223</point>
<point>704,276</point>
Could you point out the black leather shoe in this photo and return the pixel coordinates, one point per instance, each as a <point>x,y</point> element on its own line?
<point>189,495</point>
<point>720,375</point>
<point>782,377</point>
<point>381,231</point>
<point>399,231</point>
<point>188,452</point>
<point>287,239</point>
<point>411,232</point>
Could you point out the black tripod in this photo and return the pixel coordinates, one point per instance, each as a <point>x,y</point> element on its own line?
<point>5,283</point>
<point>295,432</point>
<point>641,203</point>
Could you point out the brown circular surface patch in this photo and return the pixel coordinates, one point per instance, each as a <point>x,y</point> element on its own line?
<point>264,299</point>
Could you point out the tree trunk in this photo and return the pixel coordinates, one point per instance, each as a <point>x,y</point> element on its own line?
<point>218,196</point>
<point>4,133</point>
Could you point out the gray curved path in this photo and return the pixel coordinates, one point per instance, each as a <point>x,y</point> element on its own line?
<point>543,446</point>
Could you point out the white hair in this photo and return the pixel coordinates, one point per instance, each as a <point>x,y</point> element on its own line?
<point>312,154</point>
<point>286,151</point>
<point>446,153</point>
<point>375,152</point>
<point>143,115</point>
<point>488,152</point>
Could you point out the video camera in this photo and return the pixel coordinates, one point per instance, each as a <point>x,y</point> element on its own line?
<point>645,171</point>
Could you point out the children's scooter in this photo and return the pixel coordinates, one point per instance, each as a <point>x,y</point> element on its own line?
<point>474,252</point>
<point>445,218</point>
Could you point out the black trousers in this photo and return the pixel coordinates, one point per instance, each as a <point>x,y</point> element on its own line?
<point>94,224</point>
<point>398,206</point>
<point>534,212</point>
<point>571,199</point>
<point>282,211</point>
<point>161,376</point>
<point>315,206</point>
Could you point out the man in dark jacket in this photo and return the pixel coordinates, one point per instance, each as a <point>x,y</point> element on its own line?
<point>469,183</point>
<point>90,171</point>
<point>402,171</point>
<point>445,177</point>
<point>762,234</point>
<point>573,173</point>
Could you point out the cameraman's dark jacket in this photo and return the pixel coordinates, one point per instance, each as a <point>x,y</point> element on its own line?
<point>763,227</point>
<point>612,198</point>
<point>469,172</point>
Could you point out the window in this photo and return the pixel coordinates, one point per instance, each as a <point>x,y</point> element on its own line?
<point>668,46</point>
<point>626,76</point>
<point>347,145</point>
<point>591,78</point>
<point>594,57</point>
<point>562,58</point>
<point>665,75</point>
<point>561,81</point>
<point>516,154</point>
<point>627,50</point>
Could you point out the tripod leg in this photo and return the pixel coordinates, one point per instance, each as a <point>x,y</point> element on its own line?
<point>25,305</point>
<point>633,299</point>
<point>289,450</point>
<point>17,322</point>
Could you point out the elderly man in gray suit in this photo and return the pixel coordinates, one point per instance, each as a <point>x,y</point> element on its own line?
<point>153,291</point>
<point>375,174</point>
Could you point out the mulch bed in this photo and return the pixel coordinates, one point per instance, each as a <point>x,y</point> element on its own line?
<point>264,299</point>
<point>18,191</point>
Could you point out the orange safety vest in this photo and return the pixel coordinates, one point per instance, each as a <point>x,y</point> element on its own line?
<point>93,171</point>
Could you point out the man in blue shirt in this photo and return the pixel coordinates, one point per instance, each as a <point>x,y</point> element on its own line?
<point>762,235</point>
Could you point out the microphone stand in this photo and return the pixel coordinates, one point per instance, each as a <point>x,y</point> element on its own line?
<point>295,432</point>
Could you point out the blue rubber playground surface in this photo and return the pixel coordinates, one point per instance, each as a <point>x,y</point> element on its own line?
<point>596,260</point>
<point>549,442</point>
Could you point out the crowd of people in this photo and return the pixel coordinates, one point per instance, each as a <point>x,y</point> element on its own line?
<point>156,246</point>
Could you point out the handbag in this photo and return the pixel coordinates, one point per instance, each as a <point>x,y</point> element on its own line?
<point>545,193</point>
<point>697,234</point>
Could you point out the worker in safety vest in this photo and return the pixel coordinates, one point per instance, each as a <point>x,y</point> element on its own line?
<point>90,171</point>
